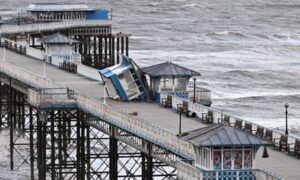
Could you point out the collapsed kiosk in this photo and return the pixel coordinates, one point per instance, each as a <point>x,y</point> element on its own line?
<point>126,82</point>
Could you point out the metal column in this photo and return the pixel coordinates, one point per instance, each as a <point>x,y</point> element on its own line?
<point>113,155</point>
<point>11,127</point>
<point>31,143</point>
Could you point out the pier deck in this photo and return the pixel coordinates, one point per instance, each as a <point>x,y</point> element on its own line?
<point>168,119</point>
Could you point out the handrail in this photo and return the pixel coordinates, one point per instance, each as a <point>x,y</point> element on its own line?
<point>218,115</point>
<point>40,27</point>
<point>240,174</point>
<point>82,69</point>
<point>110,113</point>
<point>186,171</point>
<point>124,120</point>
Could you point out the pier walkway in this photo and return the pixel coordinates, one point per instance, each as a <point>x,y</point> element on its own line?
<point>278,162</point>
<point>46,27</point>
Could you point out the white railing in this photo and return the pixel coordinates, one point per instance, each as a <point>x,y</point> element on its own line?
<point>35,53</point>
<point>187,172</point>
<point>34,98</point>
<point>141,127</point>
<point>82,69</point>
<point>51,97</point>
<point>26,77</point>
<point>218,117</point>
<point>29,51</point>
<point>240,174</point>
<point>40,27</point>
<point>123,120</point>
<point>201,94</point>
<point>109,113</point>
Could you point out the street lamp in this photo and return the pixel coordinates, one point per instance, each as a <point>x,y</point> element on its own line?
<point>265,153</point>
<point>104,93</point>
<point>44,69</point>
<point>286,105</point>
<point>194,79</point>
<point>180,112</point>
<point>4,54</point>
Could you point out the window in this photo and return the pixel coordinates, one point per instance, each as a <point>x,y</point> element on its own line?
<point>247,159</point>
<point>238,159</point>
<point>217,159</point>
<point>166,84</point>
<point>180,84</point>
<point>227,159</point>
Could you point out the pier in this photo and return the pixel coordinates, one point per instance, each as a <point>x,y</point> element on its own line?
<point>73,131</point>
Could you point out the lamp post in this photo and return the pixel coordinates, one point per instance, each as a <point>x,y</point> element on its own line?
<point>4,54</point>
<point>265,153</point>
<point>104,93</point>
<point>45,60</point>
<point>180,112</point>
<point>194,99</point>
<point>44,69</point>
<point>286,105</point>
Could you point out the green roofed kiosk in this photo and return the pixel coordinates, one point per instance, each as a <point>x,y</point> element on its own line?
<point>174,79</point>
<point>223,147</point>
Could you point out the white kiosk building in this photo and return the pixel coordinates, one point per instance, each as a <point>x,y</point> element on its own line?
<point>58,45</point>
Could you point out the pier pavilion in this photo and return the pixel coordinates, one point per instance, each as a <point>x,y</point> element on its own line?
<point>48,12</point>
<point>223,147</point>
<point>58,45</point>
<point>168,77</point>
<point>98,45</point>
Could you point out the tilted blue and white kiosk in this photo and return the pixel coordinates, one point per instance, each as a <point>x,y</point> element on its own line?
<point>125,81</point>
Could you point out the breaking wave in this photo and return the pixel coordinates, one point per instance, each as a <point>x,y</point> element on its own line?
<point>226,33</point>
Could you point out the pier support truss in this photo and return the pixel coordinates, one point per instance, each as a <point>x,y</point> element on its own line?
<point>101,51</point>
<point>71,144</point>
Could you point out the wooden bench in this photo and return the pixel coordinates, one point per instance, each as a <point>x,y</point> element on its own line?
<point>166,102</point>
<point>248,128</point>
<point>226,121</point>
<point>238,124</point>
<point>183,107</point>
<point>281,143</point>
<point>208,118</point>
<point>294,148</point>
<point>260,131</point>
<point>134,113</point>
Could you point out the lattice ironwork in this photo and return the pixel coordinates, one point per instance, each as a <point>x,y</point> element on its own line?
<point>70,144</point>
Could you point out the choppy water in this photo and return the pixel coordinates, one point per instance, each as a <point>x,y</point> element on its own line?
<point>248,52</point>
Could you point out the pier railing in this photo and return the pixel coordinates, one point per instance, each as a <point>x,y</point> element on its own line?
<point>240,174</point>
<point>221,117</point>
<point>53,91</point>
<point>202,95</point>
<point>138,126</point>
<point>113,115</point>
<point>41,27</point>
<point>186,171</point>
<point>82,69</point>
<point>26,77</point>
<point>53,97</point>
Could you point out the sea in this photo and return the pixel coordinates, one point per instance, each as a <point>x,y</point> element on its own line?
<point>248,52</point>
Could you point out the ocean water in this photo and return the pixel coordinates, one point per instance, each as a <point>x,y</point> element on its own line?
<point>248,52</point>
